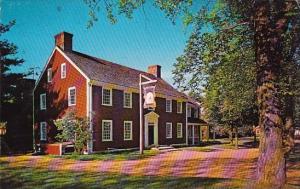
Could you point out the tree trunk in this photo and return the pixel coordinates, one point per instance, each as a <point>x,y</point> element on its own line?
<point>236,138</point>
<point>269,25</point>
<point>1,90</point>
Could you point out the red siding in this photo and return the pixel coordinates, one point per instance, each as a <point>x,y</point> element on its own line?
<point>118,115</point>
<point>57,95</point>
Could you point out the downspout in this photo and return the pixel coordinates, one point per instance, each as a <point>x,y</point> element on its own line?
<point>186,124</point>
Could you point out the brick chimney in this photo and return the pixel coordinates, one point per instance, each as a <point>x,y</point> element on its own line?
<point>64,41</point>
<point>155,70</point>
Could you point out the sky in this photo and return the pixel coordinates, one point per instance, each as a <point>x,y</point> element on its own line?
<point>149,38</point>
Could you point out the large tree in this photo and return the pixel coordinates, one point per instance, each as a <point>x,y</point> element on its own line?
<point>8,51</point>
<point>269,21</point>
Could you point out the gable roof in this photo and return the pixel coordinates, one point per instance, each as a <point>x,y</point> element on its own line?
<point>108,72</point>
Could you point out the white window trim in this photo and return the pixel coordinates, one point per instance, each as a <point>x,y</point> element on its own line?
<point>170,105</point>
<point>169,123</point>
<point>130,129</point>
<point>189,111</point>
<point>110,104</point>
<point>111,130</point>
<point>63,73</point>
<point>179,112</point>
<point>41,101</point>
<point>181,130</point>
<point>43,137</point>
<point>196,113</point>
<point>69,96</point>
<point>49,75</point>
<point>130,106</point>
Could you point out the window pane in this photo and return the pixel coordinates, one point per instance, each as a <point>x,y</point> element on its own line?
<point>179,107</point>
<point>127,130</point>
<point>106,130</point>
<point>43,131</point>
<point>106,98</point>
<point>49,75</point>
<point>43,101</point>
<point>72,96</point>
<point>179,130</point>
<point>168,105</point>
<point>127,100</point>
<point>169,130</point>
<point>63,71</point>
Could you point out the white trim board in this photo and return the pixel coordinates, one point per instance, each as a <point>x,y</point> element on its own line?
<point>67,58</point>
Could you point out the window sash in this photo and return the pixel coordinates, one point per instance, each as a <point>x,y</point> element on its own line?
<point>168,105</point>
<point>179,130</point>
<point>179,107</point>
<point>189,111</point>
<point>43,131</point>
<point>43,101</point>
<point>72,96</point>
<point>196,113</point>
<point>127,100</point>
<point>168,130</point>
<point>49,75</point>
<point>106,97</point>
<point>106,130</point>
<point>63,71</point>
<point>127,130</point>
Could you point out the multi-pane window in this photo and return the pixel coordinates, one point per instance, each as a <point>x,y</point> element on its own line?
<point>106,130</point>
<point>127,100</point>
<point>43,131</point>
<point>168,130</point>
<point>49,75</point>
<point>127,130</point>
<point>168,105</point>
<point>189,111</point>
<point>63,70</point>
<point>196,114</point>
<point>179,130</point>
<point>179,107</point>
<point>106,97</point>
<point>72,96</point>
<point>43,101</point>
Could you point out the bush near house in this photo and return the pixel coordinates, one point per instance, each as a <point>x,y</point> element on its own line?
<point>74,129</point>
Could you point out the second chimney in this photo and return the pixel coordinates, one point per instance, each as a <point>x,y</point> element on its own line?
<point>155,70</point>
<point>64,41</point>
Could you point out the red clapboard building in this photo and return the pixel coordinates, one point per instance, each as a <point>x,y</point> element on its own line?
<point>108,94</point>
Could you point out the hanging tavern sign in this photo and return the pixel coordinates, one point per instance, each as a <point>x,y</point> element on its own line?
<point>149,97</point>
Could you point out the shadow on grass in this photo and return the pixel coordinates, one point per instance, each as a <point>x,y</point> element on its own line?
<point>105,156</point>
<point>39,178</point>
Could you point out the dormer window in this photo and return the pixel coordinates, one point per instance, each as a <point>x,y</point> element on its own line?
<point>63,70</point>
<point>49,75</point>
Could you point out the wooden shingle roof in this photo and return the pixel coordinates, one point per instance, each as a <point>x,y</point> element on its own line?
<point>108,72</point>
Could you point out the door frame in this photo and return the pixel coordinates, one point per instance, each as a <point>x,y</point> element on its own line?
<point>151,117</point>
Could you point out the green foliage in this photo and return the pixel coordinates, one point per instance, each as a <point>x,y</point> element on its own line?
<point>220,65</point>
<point>74,129</point>
<point>8,79</point>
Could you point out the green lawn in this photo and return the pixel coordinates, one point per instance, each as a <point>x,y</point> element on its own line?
<point>23,177</point>
<point>125,155</point>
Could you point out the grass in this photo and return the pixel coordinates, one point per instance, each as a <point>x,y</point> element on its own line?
<point>125,155</point>
<point>24,177</point>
